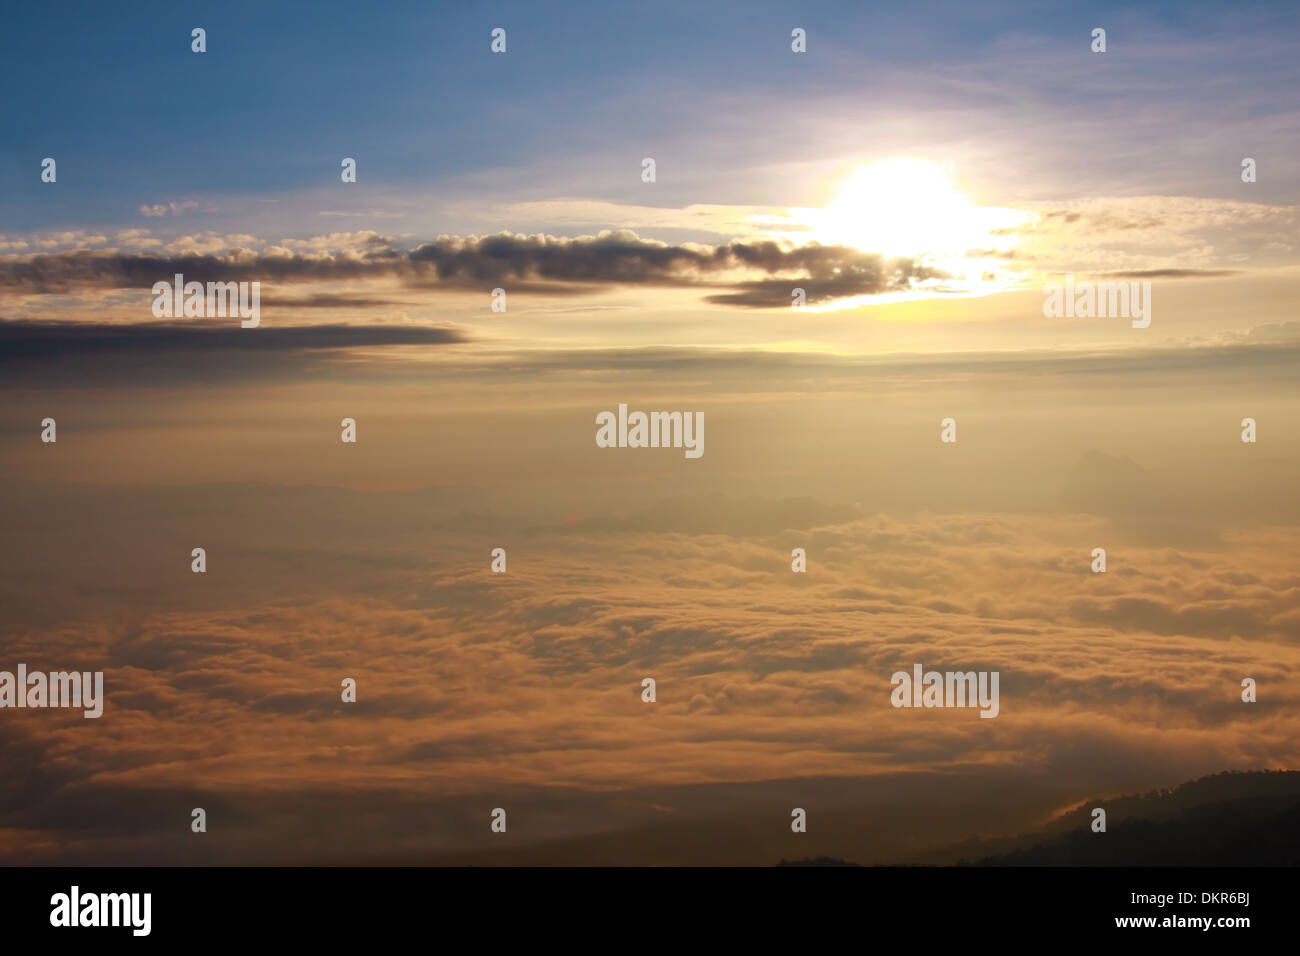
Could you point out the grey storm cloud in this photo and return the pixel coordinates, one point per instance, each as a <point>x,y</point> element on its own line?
<point>751,269</point>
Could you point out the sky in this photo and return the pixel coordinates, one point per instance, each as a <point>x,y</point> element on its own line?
<point>923,174</point>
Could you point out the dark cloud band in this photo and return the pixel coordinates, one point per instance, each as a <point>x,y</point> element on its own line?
<point>761,274</point>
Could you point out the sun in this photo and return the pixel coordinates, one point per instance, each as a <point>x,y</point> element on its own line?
<point>901,207</point>
<point>911,208</point>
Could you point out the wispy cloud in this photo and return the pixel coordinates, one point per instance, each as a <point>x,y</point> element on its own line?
<point>158,210</point>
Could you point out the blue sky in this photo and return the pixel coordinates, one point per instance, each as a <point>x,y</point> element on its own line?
<point>1122,162</point>
<point>412,92</point>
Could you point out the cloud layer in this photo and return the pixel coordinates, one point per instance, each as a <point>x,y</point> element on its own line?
<point>516,688</point>
<point>569,265</point>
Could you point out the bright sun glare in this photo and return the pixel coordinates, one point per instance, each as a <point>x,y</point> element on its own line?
<point>899,207</point>
<point>908,207</point>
